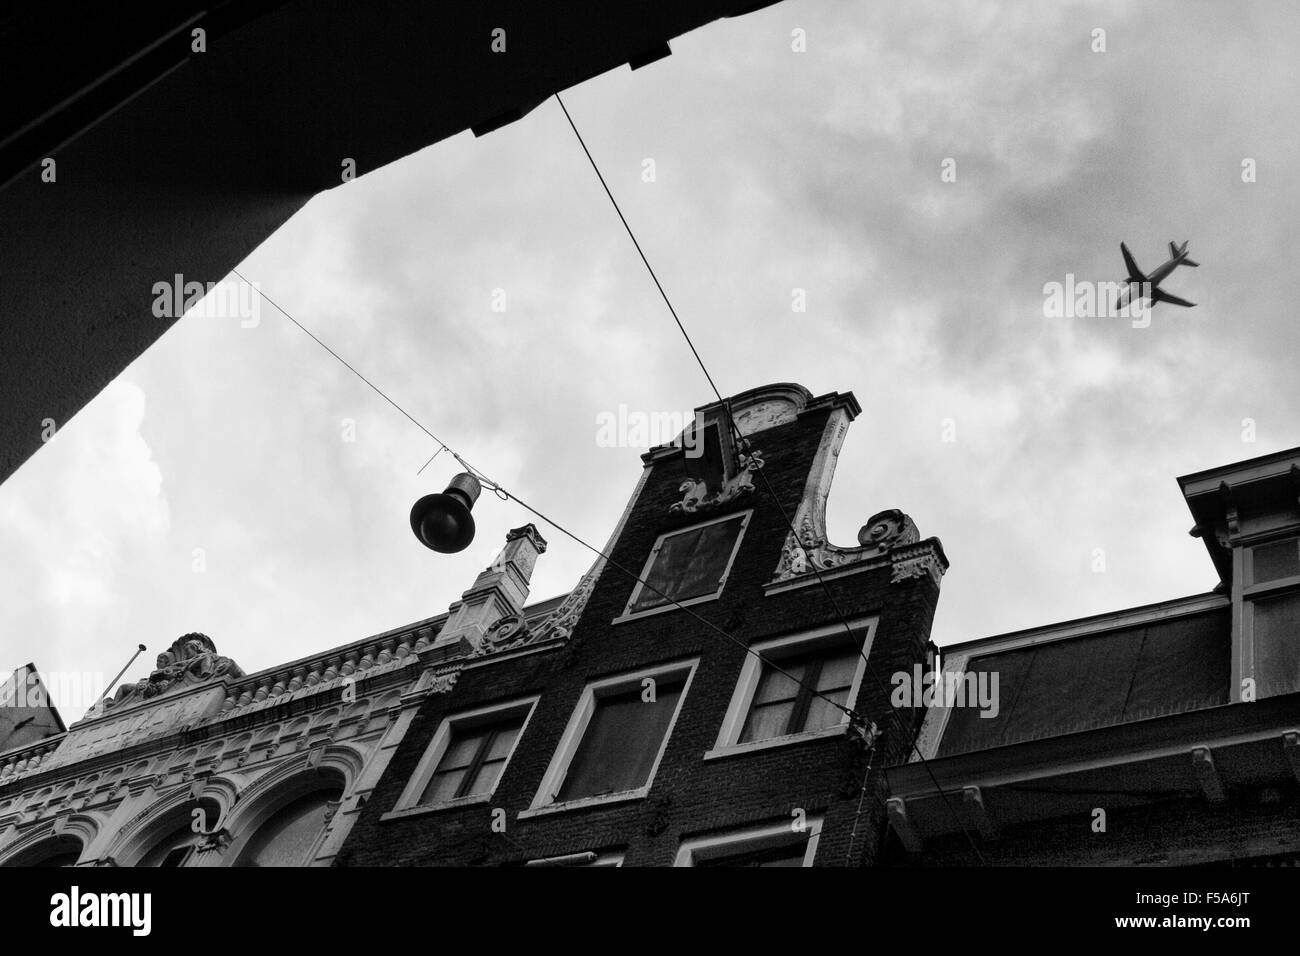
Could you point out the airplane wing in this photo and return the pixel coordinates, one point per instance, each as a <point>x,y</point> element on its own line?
<point>1134,273</point>
<point>1160,295</point>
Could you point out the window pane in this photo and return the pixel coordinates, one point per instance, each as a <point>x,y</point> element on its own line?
<point>504,740</point>
<point>837,671</point>
<point>486,778</point>
<point>767,721</point>
<point>791,854</point>
<point>443,787</point>
<point>776,686</point>
<point>1277,644</point>
<point>621,742</point>
<point>464,745</point>
<point>1281,559</point>
<point>690,563</point>
<point>822,713</point>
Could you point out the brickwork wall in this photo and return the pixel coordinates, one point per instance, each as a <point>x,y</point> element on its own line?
<point>689,795</point>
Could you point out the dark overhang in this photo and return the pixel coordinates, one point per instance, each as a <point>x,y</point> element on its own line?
<point>171,161</point>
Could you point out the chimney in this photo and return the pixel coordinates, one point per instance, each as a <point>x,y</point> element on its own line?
<point>499,591</point>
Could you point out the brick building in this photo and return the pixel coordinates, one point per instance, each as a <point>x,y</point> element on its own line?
<point>710,694</point>
<point>1159,735</point>
<point>733,760</point>
<point>607,725</point>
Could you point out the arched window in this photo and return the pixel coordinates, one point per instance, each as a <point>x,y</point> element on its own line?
<point>60,851</point>
<point>289,835</point>
<point>176,848</point>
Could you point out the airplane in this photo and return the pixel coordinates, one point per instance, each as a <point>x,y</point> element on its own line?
<point>1142,285</point>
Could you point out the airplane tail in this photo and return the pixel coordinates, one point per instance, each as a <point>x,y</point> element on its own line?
<point>1176,251</point>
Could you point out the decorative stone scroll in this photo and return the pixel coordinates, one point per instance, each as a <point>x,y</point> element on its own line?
<point>505,634</point>
<point>812,552</point>
<point>807,551</point>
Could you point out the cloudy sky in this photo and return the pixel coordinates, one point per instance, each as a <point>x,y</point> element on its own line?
<point>212,487</point>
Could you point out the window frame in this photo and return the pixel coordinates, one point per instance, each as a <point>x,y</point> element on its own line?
<point>544,801</point>
<point>774,650</point>
<point>1252,597</point>
<point>696,849</point>
<point>1251,584</point>
<point>629,615</point>
<point>610,858</point>
<point>408,804</point>
<point>1246,592</point>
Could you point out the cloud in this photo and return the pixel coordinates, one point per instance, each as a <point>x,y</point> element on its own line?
<point>775,171</point>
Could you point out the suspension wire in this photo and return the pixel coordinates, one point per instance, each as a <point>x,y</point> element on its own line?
<point>743,444</point>
<point>505,495</point>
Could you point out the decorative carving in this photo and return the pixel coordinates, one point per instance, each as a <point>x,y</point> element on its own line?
<point>807,549</point>
<point>216,841</point>
<point>512,631</point>
<point>914,566</point>
<point>697,497</point>
<point>811,551</point>
<point>192,659</point>
<point>887,530</point>
<point>505,634</point>
<point>764,415</point>
<point>331,808</point>
<point>443,683</point>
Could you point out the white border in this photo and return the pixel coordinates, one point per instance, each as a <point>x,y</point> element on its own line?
<point>544,801</point>
<point>780,648</point>
<point>745,841</point>
<point>629,615</point>
<point>408,803</point>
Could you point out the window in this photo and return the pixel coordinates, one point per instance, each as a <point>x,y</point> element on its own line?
<point>590,858</point>
<point>1271,616</point>
<point>778,844</point>
<point>1271,562</point>
<point>473,761</point>
<point>466,757</point>
<point>791,694</point>
<point>688,566</point>
<point>55,852</point>
<point>176,857</point>
<point>1276,629</point>
<point>615,738</point>
<point>173,851</point>
<point>289,836</point>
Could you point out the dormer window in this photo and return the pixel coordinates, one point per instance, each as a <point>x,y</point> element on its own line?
<point>1248,515</point>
